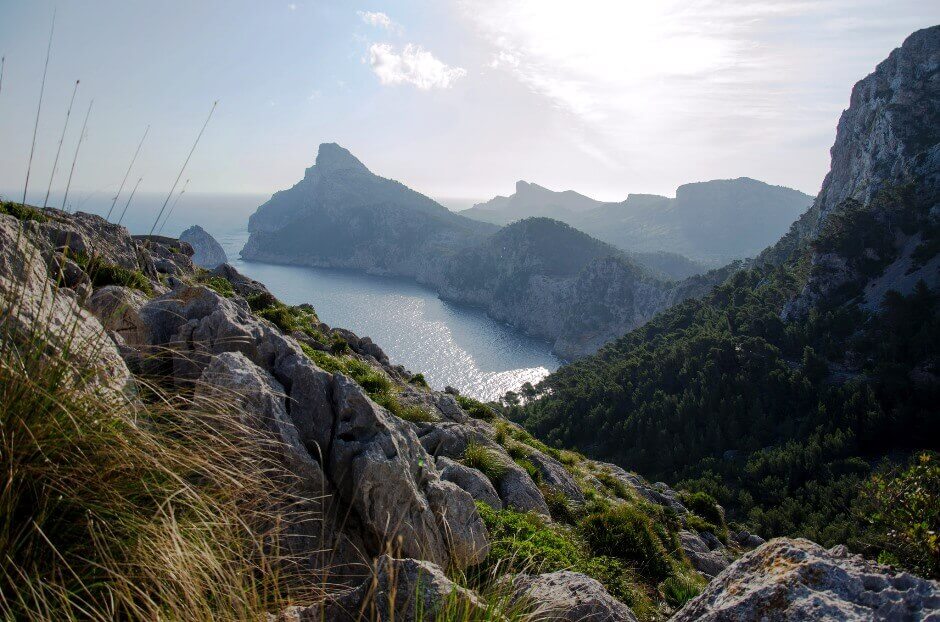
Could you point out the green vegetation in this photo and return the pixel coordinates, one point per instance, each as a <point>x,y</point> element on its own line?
<point>526,542</point>
<point>22,212</point>
<point>476,408</point>
<point>374,382</point>
<point>902,506</point>
<point>780,422</point>
<point>709,514</point>
<point>103,273</point>
<point>485,461</point>
<point>419,381</point>
<point>288,319</point>
<point>219,285</point>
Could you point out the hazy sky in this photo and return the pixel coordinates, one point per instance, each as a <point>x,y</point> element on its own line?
<point>454,98</point>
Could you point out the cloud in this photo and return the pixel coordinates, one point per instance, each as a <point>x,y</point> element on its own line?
<point>378,19</point>
<point>414,65</point>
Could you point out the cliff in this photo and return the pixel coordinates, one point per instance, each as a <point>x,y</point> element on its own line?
<point>208,253</point>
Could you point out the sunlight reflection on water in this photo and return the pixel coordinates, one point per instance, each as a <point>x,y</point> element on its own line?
<point>449,344</point>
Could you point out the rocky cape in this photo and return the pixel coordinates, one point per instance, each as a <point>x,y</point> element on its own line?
<point>539,275</point>
<point>386,465</point>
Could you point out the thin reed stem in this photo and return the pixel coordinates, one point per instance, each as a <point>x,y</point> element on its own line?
<point>129,167</point>
<point>81,137</point>
<point>173,205</point>
<point>3,62</point>
<point>42,90</point>
<point>160,214</point>
<point>55,163</point>
<point>121,219</point>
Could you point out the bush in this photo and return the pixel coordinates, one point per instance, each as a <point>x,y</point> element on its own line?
<point>22,212</point>
<point>902,507</point>
<point>418,380</point>
<point>625,532</point>
<point>485,461</point>
<point>338,345</point>
<point>681,588</point>
<point>103,273</point>
<point>613,484</point>
<point>219,285</point>
<point>705,506</point>
<point>280,316</point>
<point>476,408</point>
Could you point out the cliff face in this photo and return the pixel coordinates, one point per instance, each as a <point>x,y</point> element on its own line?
<point>887,142</point>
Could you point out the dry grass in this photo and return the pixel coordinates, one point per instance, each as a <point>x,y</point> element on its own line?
<point>126,509</point>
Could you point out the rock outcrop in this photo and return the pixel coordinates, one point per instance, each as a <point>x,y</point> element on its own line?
<point>566,596</point>
<point>208,253</point>
<point>798,580</point>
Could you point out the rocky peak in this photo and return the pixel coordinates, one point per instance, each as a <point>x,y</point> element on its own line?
<point>208,252</point>
<point>890,134</point>
<point>331,157</point>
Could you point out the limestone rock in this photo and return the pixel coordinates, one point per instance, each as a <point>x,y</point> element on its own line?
<point>569,597</point>
<point>30,303</point>
<point>118,309</point>
<point>208,253</point>
<point>470,480</point>
<point>704,559</point>
<point>406,590</point>
<point>797,580</point>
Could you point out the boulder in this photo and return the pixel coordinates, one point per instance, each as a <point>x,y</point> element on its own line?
<point>795,579</point>
<point>519,492</point>
<point>404,590</point>
<point>475,483</point>
<point>568,597</point>
<point>242,284</point>
<point>707,561</point>
<point>118,309</point>
<point>556,476</point>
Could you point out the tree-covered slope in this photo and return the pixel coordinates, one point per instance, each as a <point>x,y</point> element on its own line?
<point>784,390</point>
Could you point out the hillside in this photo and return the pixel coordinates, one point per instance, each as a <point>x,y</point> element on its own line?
<point>794,389</point>
<point>239,451</point>
<point>712,222</point>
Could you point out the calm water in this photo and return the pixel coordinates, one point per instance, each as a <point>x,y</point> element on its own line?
<point>449,344</point>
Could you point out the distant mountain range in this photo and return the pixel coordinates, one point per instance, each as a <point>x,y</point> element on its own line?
<point>540,275</point>
<point>712,222</point>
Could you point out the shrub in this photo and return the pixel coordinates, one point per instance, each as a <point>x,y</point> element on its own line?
<point>22,212</point>
<point>280,316</point>
<point>476,408</point>
<point>262,300</point>
<point>103,273</point>
<point>338,345</point>
<point>418,380</point>
<point>625,532</point>
<point>902,507</point>
<point>705,506</point>
<point>681,588</point>
<point>485,461</point>
<point>615,486</point>
<point>220,285</point>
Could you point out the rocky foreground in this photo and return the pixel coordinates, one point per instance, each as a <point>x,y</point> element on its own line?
<point>410,487</point>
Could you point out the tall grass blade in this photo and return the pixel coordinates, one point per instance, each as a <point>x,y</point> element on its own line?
<point>81,137</point>
<point>173,205</point>
<point>42,90</point>
<point>121,219</point>
<point>204,125</point>
<point>127,173</point>
<point>55,163</point>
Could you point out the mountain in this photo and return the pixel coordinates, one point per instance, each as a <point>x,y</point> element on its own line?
<point>538,274</point>
<point>532,200</point>
<point>342,215</point>
<point>208,252</point>
<point>795,390</point>
<point>713,221</point>
<point>233,440</point>
<point>555,282</point>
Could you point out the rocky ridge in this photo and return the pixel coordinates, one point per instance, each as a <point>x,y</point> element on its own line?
<point>384,462</point>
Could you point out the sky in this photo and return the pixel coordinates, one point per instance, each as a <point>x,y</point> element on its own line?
<point>454,98</point>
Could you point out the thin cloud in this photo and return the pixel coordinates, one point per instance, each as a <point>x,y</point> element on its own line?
<point>379,20</point>
<point>413,65</point>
